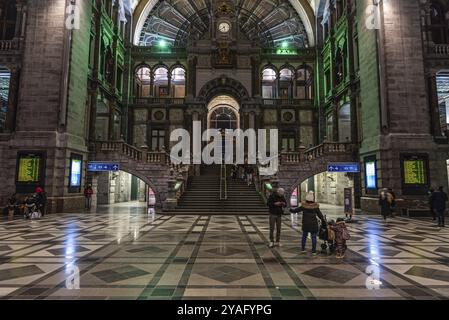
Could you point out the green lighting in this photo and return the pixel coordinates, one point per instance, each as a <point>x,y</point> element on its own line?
<point>285,44</point>
<point>162,43</point>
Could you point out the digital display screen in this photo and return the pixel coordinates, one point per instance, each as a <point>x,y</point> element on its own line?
<point>414,172</point>
<point>75,173</point>
<point>29,169</point>
<point>370,175</point>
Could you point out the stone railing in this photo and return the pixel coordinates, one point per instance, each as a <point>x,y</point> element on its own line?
<point>7,45</point>
<point>292,157</point>
<point>317,152</point>
<point>442,49</point>
<point>328,148</point>
<point>287,102</point>
<point>158,101</point>
<point>132,152</point>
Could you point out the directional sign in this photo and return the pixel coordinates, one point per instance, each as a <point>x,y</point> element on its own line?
<point>102,167</point>
<point>343,167</point>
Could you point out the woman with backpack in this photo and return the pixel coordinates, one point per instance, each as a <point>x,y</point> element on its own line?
<point>310,212</point>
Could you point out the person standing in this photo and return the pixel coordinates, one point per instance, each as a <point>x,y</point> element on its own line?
<point>276,204</point>
<point>249,175</point>
<point>432,210</point>
<point>41,200</point>
<point>392,202</point>
<point>385,200</point>
<point>88,192</point>
<point>439,200</point>
<point>341,236</point>
<point>310,212</point>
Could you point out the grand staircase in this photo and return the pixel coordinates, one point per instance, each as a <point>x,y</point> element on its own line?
<point>203,196</point>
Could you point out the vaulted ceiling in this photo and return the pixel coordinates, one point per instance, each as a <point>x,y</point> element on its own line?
<point>269,23</point>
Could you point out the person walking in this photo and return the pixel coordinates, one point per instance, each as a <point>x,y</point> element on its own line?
<point>249,175</point>
<point>310,212</point>
<point>439,200</point>
<point>393,202</point>
<point>276,204</point>
<point>88,192</point>
<point>385,200</point>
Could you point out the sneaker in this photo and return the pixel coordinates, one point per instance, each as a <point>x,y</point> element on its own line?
<point>271,245</point>
<point>278,244</point>
<point>338,256</point>
<point>314,253</point>
<point>303,251</point>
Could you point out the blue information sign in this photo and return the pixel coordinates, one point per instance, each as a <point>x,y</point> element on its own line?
<point>102,167</point>
<point>343,167</point>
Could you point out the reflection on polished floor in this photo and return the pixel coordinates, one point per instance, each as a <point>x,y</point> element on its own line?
<point>123,253</point>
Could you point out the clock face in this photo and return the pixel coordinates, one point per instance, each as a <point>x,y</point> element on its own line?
<point>224,27</point>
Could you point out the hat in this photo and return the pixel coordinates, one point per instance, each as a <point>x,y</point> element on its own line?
<point>310,197</point>
<point>39,190</point>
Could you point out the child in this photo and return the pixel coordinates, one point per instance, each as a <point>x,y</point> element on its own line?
<point>341,236</point>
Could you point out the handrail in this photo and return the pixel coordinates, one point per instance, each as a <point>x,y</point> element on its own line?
<point>223,180</point>
<point>132,152</point>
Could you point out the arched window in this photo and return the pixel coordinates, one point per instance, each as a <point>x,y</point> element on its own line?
<point>8,15</point>
<point>143,82</point>
<point>269,77</point>
<point>286,77</point>
<point>223,118</point>
<point>438,25</point>
<point>5,76</point>
<point>161,82</point>
<point>304,83</point>
<point>178,82</point>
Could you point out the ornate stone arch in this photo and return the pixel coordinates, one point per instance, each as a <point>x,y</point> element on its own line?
<point>223,86</point>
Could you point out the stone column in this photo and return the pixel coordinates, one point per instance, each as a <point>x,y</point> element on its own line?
<point>335,135</point>
<point>171,202</point>
<point>12,99</point>
<point>152,84</point>
<point>94,183</point>
<point>169,84</point>
<point>434,107</point>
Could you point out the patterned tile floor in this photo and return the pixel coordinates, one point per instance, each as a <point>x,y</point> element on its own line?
<point>123,253</point>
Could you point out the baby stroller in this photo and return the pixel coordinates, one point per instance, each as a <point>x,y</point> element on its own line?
<point>327,235</point>
<point>31,209</point>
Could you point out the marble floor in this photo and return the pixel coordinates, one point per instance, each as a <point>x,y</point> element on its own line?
<point>121,252</point>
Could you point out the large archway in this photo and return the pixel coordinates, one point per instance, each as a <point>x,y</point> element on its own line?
<point>223,113</point>
<point>303,8</point>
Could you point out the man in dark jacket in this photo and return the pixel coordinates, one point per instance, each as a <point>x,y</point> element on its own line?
<point>311,213</point>
<point>439,199</point>
<point>276,204</point>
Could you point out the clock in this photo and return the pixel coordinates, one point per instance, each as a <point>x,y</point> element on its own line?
<point>224,27</point>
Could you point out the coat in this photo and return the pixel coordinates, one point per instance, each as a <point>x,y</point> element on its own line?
<point>310,212</point>
<point>276,210</point>
<point>340,230</point>
<point>385,205</point>
<point>438,200</point>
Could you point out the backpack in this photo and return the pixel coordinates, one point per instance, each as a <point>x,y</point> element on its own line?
<point>345,234</point>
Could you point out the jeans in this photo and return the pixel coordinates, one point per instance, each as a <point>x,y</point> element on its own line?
<point>275,221</point>
<point>88,202</point>
<point>314,240</point>
<point>441,216</point>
